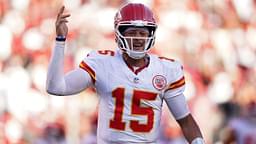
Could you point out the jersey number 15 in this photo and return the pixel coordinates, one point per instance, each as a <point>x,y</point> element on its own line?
<point>136,109</point>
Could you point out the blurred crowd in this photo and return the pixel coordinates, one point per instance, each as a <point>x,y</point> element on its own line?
<point>213,39</point>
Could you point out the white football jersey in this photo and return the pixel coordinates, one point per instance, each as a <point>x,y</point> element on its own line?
<point>130,101</point>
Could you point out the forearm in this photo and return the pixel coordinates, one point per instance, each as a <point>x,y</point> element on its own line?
<point>60,84</point>
<point>189,128</point>
<point>55,82</point>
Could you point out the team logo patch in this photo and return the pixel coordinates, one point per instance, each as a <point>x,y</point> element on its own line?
<point>159,82</point>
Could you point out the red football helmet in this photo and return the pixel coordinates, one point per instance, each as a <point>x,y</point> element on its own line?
<point>134,15</point>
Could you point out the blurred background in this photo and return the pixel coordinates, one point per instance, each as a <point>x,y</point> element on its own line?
<point>213,39</point>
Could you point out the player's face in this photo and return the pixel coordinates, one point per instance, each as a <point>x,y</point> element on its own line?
<point>136,38</point>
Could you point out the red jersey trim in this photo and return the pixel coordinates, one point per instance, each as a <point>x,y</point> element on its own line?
<point>165,58</point>
<point>85,67</point>
<point>176,84</point>
<point>139,69</point>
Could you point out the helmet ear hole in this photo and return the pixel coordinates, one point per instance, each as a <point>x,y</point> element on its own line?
<point>117,41</point>
<point>119,44</point>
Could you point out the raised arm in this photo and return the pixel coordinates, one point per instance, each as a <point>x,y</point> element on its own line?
<point>57,82</point>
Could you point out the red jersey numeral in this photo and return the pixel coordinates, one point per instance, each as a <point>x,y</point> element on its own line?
<point>106,52</point>
<point>116,122</point>
<point>136,109</point>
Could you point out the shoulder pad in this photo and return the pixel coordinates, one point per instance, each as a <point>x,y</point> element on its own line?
<point>171,63</point>
<point>100,53</point>
<point>168,59</point>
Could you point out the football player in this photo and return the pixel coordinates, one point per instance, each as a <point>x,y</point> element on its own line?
<point>131,83</point>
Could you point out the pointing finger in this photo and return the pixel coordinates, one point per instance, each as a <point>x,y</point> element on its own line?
<point>61,10</point>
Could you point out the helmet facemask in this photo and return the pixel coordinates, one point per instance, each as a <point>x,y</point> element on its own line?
<point>134,15</point>
<point>123,43</point>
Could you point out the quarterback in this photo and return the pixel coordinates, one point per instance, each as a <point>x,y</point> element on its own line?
<point>131,83</point>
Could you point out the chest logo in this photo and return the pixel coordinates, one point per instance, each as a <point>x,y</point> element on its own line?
<point>159,82</point>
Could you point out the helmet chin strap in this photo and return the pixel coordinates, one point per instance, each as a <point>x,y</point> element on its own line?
<point>135,55</point>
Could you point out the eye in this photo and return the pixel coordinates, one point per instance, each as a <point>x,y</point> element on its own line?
<point>139,33</point>
<point>130,33</point>
<point>144,34</point>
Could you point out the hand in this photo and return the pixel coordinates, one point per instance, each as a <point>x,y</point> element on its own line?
<point>60,24</point>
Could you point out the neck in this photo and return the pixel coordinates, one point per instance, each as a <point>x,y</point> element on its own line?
<point>135,62</point>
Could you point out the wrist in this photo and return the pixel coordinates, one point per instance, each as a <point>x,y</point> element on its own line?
<point>198,140</point>
<point>60,38</point>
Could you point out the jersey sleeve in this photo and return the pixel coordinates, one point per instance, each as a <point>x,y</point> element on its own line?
<point>176,82</point>
<point>61,84</point>
<point>92,64</point>
<point>173,94</point>
<point>178,106</point>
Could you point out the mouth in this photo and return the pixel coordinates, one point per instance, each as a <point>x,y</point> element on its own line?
<point>138,47</point>
<point>138,44</point>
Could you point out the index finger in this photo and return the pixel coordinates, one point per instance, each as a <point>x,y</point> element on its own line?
<point>61,10</point>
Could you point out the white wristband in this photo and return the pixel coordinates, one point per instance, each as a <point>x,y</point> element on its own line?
<point>198,140</point>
